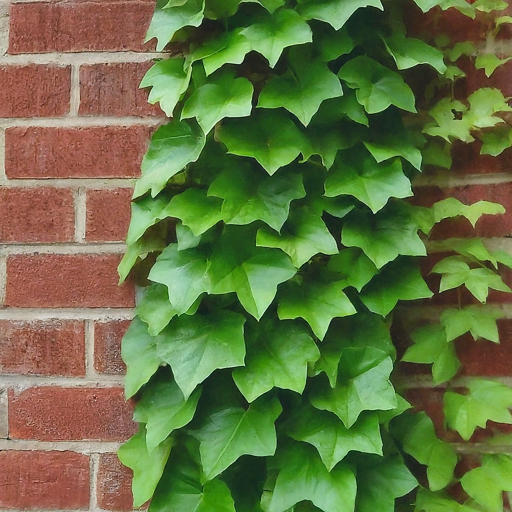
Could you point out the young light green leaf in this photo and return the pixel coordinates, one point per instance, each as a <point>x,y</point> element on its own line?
<point>486,400</point>
<point>172,147</point>
<point>496,141</point>
<point>427,501</point>
<point>164,409</point>
<point>303,476</point>
<point>278,355</point>
<point>480,322</point>
<point>450,121</point>
<point>303,236</point>
<point>168,81</point>
<point>155,308</point>
<point>417,435</point>
<point>377,87</point>
<point>353,266</point>
<point>225,97</point>
<point>437,153</point>
<point>489,6</point>
<point>232,432</point>
<point>138,350</point>
<point>276,32</point>
<point>471,248</point>
<point>461,5</point>
<point>185,275</point>
<point>400,280</point>
<point>250,194</point>
<point>195,346</point>
<point>253,273</point>
<point>363,385</point>
<point>301,90</point>
<point>487,483</point>
<point>355,172</point>
<point>167,20</point>
<point>147,467</point>
<point>383,236</point>
<point>334,12</point>
<point>269,136</point>
<point>451,207</point>
<point>317,303</point>
<point>331,438</point>
<point>431,346</point>
<point>484,104</point>
<point>489,62</point>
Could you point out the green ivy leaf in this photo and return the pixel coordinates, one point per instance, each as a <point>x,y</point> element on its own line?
<point>495,142</point>
<point>335,12</point>
<point>167,20</point>
<point>253,273</point>
<point>195,346</point>
<point>400,280</point>
<point>331,438</point>
<point>363,385</point>
<point>451,207</point>
<point>460,5</point>
<point>301,90</point>
<point>147,467</point>
<point>450,121</point>
<point>383,237</point>
<point>377,87</point>
<point>487,483</point>
<point>185,275</point>
<point>427,501</point>
<point>270,5</point>
<point>303,476</point>
<point>252,195</point>
<point>317,303</point>
<point>355,172</point>
<point>146,212</point>
<point>418,438</point>
<point>276,32</point>
<point>471,248</point>
<point>353,266</point>
<point>138,350</point>
<point>172,147</point>
<point>489,62</point>
<point>431,346</point>
<point>232,432</point>
<point>270,137</point>
<point>484,104</point>
<point>278,354</point>
<point>164,409</point>
<point>480,322</point>
<point>139,250</point>
<point>168,81</point>
<point>486,400</point>
<point>331,44</point>
<point>155,308</point>
<point>303,236</point>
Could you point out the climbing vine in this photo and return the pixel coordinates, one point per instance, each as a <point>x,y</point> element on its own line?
<point>274,236</point>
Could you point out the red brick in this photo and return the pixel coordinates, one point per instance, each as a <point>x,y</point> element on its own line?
<point>108,214</point>
<point>77,26</point>
<point>93,152</point>
<point>70,414</point>
<point>61,280</point>
<point>34,90</point>
<point>36,215</point>
<point>113,90</point>
<point>36,480</point>
<point>114,491</point>
<point>54,347</point>
<point>107,346</point>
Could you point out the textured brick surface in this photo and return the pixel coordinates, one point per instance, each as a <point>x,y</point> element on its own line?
<point>107,346</point>
<point>43,480</point>
<point>113,90</point>
<point>36,215</point>
<point>78,26</point>
<point>95,152</point>
<point>42,347</point>
<point>108,215</point>
<point>55,413</point>
<point>113,488</point>
<point>34,90</point>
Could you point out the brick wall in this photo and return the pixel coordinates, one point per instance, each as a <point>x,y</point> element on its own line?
<point>73,129</point>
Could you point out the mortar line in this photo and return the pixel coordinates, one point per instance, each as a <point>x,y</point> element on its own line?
<point>85,447</point>
<point>80,200</point>
<point>451,181</point>
<point>425,381</point>
<point>89,350</point>
<point>22,382</point>
<point>3,277</point>
<point>94,461</point>
<point>34,314</point>
<point>64,249</point>
<point>4,27</point>
<point>3,176</point>
<point>85,183</point>
<point>74,100</point>
<point>4,414</point>
<point>80,121</point>
<point>81,58</point>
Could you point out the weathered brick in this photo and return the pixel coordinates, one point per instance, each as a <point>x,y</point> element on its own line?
<point>108,215</point>
<point>92,152</point>
<point>34,90</point>
<point>113,90</point>
<point>36,215</point>
<point>113,488</point>
<point>37,480</point>
<point>70,414</point>
<point>53,347</point>
<point>76,26</point>
<point>61,280</point>
<point>107,346</point>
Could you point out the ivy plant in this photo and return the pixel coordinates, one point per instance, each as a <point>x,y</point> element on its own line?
<point>274,237</point>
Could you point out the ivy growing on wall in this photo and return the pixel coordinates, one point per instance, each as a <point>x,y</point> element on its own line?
<point>274,238</point>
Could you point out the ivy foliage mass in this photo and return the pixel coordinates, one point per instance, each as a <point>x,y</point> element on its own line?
<point>272,227</point>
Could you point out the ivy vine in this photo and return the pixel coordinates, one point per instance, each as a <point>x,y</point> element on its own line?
<point>274,237</point>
